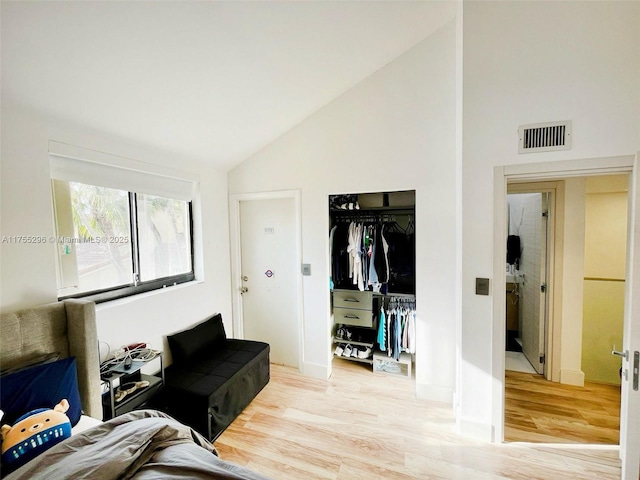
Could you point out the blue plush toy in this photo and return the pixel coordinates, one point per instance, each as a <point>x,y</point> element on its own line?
<point>33,433</point>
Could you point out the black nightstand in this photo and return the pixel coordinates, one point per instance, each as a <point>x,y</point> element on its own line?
<point>137,399</point>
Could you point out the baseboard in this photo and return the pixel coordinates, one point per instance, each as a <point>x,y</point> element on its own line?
<point>434,393</point>
<point>474,429</point>
<point>315,370</point>
<point>572,377</point>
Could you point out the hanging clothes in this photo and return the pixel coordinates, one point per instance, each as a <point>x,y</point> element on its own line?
<point>391,331</point>
<point>382,331</point>
<point>401,257</point>
<point>373,282</point>
<point>331,240</point>
<point>377,256</point>
<point>364,259</point>
<point>395,336</point>
<point>400,327</point>
<point>340,256</point>
<point>355,252</point>
<point>380,261</point>
<point>405,332</point>
<point>385,249</point>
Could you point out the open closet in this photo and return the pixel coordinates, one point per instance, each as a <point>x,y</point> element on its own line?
<point>372,250</point>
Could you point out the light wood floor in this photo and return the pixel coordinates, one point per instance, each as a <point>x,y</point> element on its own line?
<point>361,425</point>
<point>540,411</point>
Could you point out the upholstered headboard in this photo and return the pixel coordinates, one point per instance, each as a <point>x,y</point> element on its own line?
<point>67,328</point>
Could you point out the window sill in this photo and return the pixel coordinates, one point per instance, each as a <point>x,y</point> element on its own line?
<point>144,295</point>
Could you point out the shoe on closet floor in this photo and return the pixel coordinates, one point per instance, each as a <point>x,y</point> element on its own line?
<point>366,353</point>
<point>355,352</point>
<point>339,350</point>
<point>343,333</point>
<point>347,351</point>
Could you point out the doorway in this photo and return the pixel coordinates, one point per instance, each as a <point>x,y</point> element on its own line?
<point>593,227</point>
<point>267,277</point>
<point>630,403</point>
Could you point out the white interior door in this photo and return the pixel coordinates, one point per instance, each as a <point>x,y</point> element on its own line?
<point>630,409</point>
<point>269,273</point>
<point>534,263</point>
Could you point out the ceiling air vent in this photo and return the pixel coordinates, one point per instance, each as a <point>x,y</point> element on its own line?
<point>544,137</point>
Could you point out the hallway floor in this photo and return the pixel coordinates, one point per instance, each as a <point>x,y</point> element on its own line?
<point>537,410</point>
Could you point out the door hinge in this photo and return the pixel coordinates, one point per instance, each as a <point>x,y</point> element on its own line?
<point>542,358</point>
<point>545,214</point>
<point>543,288</point>
<point>636,369</point>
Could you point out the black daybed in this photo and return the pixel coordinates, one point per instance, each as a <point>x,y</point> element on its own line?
<point>213,378</point>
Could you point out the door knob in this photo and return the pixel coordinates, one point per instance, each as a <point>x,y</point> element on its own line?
<point>624,354</point>
<point>245,278</point>
<point>244,290</point>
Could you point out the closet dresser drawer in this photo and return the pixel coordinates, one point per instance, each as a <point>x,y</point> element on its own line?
<point>352,307</point>
<point>348,316</point>
<point>353,299</point>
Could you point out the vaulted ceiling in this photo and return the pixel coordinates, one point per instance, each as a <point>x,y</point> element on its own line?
<point>208,80</point>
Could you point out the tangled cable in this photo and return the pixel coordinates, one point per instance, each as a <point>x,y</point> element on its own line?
<point>138,354</point>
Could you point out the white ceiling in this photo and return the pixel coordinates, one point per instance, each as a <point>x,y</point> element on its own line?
<point>209,80</point>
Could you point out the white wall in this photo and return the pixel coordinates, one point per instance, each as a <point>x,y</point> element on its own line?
<point>604,276</point>
<point>527,62</point>
<point>28,272</point>
<point>393,131</point>
<point>572,280</point>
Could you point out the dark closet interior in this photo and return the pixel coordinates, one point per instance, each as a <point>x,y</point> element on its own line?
<point>386,231</point>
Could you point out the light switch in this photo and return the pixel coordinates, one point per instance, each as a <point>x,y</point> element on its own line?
<point>306,269</point>
<point>482,286</point>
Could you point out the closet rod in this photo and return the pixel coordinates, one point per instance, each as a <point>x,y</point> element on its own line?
<point>372,218</point>
<point>367,219</point>
<point>375,210</point>
<point>404,296</point>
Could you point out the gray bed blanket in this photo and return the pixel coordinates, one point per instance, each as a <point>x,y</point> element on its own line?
<point>144,444</point>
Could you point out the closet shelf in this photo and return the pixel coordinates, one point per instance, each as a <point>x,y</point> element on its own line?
<point>352,342</point>
<point>354,359</point>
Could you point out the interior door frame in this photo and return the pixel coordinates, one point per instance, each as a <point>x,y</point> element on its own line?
<point>630,408</point>
<point>532,172</point>
<point>236,260</point>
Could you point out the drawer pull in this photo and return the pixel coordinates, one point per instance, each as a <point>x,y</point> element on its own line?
<point>352,300</point>
<point>352,316</point>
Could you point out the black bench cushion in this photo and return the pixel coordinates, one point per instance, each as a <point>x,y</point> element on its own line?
<point>204,373</point>
<point>220,381</point>
<point>206,336</point>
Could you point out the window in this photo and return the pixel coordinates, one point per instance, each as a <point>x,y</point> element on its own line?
<point>113,243</point>
<point>123,226</point>
<point>164,237</point>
